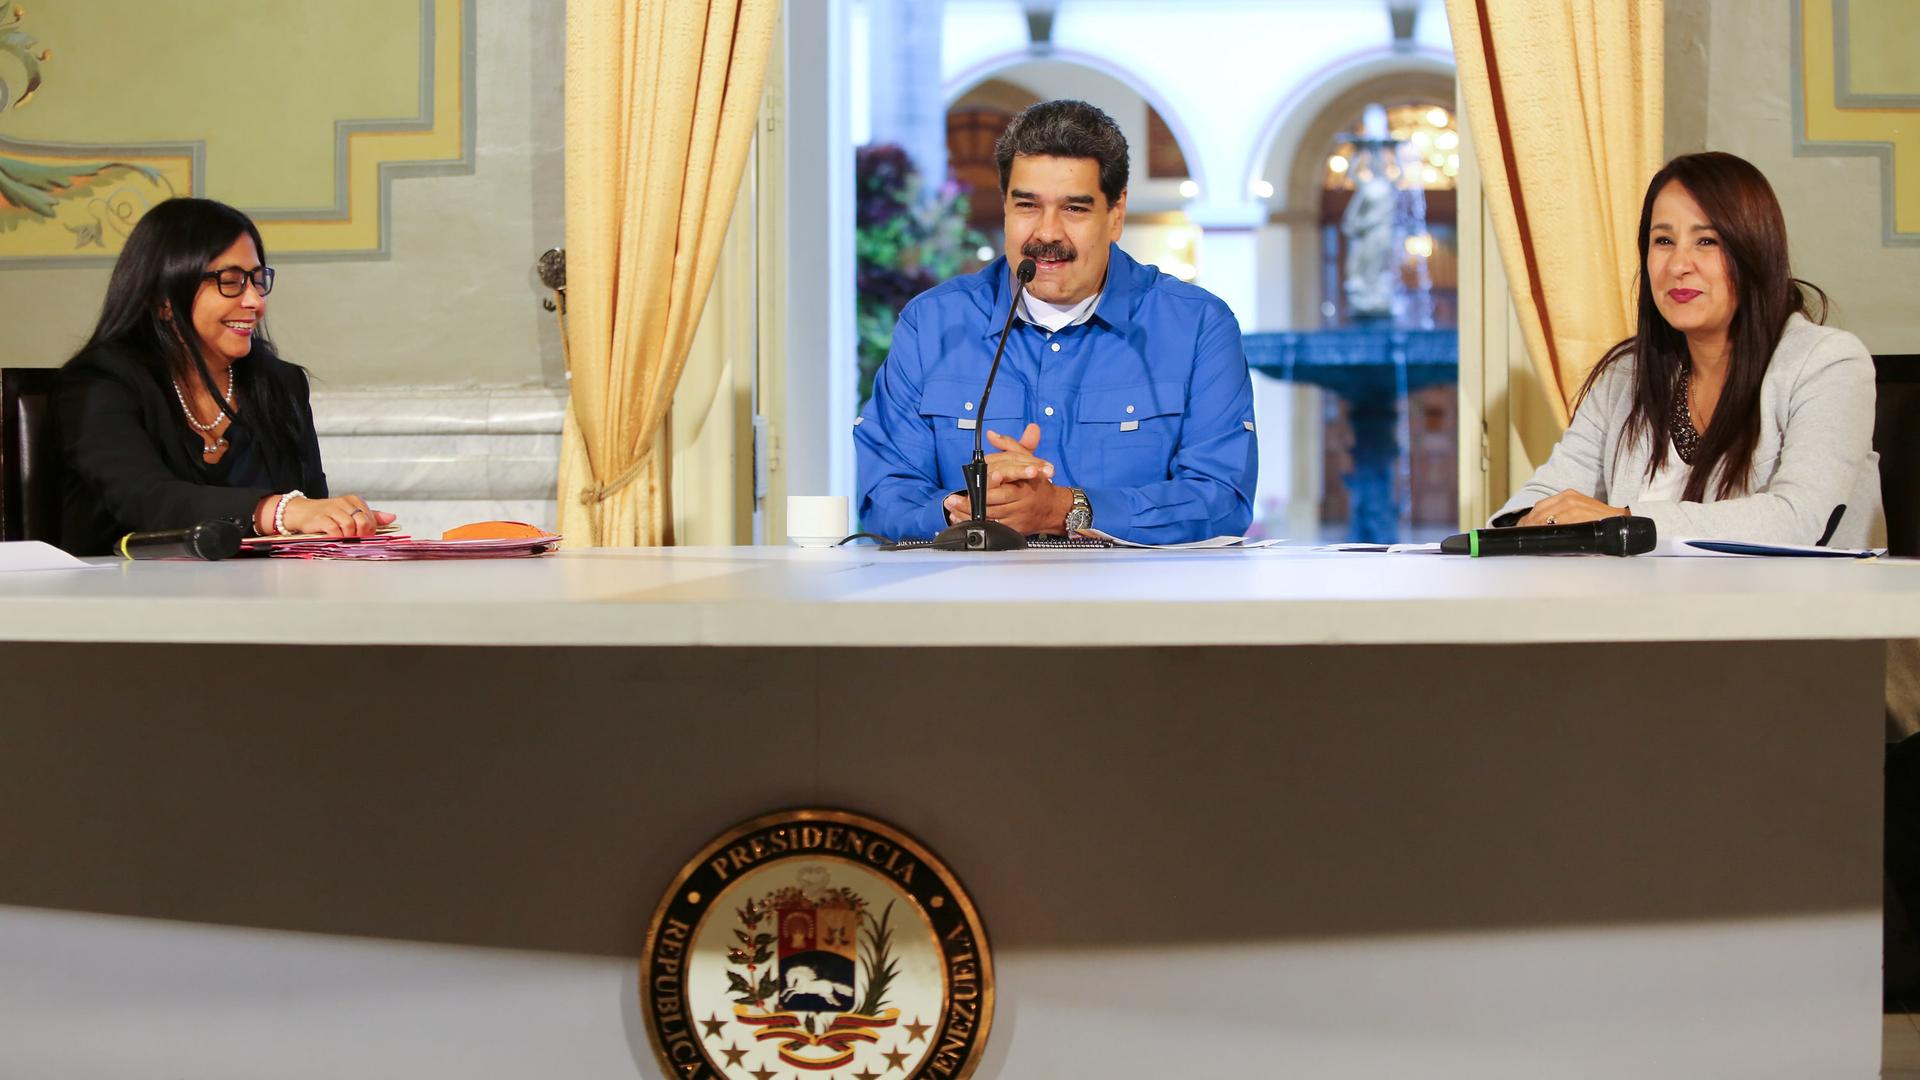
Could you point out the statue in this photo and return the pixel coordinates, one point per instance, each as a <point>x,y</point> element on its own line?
<point>1372,269</point>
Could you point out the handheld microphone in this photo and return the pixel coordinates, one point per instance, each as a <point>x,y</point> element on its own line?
<point>977,533</point>
<point>208,541</point>
<point>1608,536</point>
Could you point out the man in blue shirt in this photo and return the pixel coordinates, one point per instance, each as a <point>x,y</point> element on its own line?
<point>1123,401</point>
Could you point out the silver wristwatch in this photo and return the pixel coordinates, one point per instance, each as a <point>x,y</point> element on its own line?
<point>1081,515</point>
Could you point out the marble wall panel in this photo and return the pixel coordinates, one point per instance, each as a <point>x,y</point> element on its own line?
<point>428,518</point>
<point>440,410</point>
<point>441,457</point>
<point>432,466</point>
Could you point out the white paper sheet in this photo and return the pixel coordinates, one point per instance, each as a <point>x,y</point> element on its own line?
<point>34,555</point>
<point>1210,542</point>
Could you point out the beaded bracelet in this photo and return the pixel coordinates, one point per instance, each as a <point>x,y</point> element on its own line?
<point>280,511</point>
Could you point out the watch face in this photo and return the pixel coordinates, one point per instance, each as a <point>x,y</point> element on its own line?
<point>1080,514</point>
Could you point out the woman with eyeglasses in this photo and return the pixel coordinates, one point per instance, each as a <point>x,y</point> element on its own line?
<point>178,410</point>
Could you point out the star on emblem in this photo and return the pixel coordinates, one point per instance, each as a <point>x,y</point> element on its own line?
<point>917,1032</point>
<point>733,1055</point>
<point>865,1074</point>
<point>713,1026</point>
<point>762,1074</point>
<point>896,1059</point>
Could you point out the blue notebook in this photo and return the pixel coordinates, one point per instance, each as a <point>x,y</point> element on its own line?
<point>1741,547</point>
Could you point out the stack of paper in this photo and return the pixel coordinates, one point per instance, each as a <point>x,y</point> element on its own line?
<point>395,547</point>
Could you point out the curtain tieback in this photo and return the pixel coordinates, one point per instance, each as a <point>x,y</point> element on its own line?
<point>594,496</point>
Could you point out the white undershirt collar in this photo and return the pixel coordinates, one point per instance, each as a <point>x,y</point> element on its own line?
<point>1056,317</point>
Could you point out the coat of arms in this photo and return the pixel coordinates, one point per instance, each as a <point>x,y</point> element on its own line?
<point>817,944</point>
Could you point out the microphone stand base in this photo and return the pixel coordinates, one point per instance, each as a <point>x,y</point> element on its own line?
<point>979,536</point>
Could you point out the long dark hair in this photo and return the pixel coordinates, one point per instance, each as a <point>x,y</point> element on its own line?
<point>148,313</point>
<point>1741,206</point>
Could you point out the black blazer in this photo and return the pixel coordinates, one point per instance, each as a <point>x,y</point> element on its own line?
<point>127,469</point>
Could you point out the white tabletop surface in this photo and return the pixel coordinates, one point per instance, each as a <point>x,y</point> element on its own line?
<point>862,597</point>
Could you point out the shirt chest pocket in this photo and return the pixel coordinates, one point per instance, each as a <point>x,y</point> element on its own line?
<point>952,408</point>
<point>1133,430</point>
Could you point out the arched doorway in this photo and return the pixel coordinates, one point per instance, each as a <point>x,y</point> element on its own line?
<point>1319,165</point>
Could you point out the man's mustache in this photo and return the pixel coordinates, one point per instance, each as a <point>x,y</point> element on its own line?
<point>1048,252</point>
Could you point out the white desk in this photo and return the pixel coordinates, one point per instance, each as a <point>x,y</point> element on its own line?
<point>1617,811</point>
<point>864,598</point>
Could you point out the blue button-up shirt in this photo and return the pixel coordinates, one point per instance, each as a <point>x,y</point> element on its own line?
<point>1147,406</point>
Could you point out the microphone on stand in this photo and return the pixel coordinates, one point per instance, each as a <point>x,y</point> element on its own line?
<point>977,533</point>
<point>1607,536</point>
<point>209,541</point>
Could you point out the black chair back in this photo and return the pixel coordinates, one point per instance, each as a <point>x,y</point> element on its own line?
<point>29,456</point>
<point>1896,435</point>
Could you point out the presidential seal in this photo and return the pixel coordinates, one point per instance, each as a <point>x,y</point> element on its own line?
<point>816,944</point>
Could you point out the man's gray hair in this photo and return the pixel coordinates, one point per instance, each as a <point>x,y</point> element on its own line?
<point>1066,129</point>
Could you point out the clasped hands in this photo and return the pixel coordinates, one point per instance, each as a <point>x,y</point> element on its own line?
<point>1020,489</point>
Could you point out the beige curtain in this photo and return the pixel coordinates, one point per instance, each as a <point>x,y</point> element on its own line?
<point>1565,101</point>
<point>661,101</point>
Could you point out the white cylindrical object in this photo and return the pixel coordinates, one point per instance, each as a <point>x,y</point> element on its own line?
<point>816,520</point>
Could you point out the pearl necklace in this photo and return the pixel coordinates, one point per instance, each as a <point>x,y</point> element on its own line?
<point>206,429</point>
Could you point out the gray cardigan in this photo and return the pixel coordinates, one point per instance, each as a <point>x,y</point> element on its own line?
<point>1815,451</point>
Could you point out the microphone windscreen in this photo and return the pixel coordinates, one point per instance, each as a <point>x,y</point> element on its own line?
<point>1026,271</point>
<point>214,540</point>
<point>1637,534</point>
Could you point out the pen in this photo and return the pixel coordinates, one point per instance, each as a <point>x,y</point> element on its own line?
<point>1833,523</point>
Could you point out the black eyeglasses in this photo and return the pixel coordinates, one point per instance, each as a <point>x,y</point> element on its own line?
<point>233,281</point>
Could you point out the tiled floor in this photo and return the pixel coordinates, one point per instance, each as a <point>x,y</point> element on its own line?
<point>1900,1044</point>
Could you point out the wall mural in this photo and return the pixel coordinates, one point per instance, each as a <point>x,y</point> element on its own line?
<point>302,115</point>
<point>88,200</point>
<point>1857,93</point>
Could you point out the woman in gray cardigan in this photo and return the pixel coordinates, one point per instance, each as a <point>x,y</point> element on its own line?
<point>1731,413</point>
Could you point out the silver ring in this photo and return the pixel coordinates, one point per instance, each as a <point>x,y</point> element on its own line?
<point>357,511</point>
